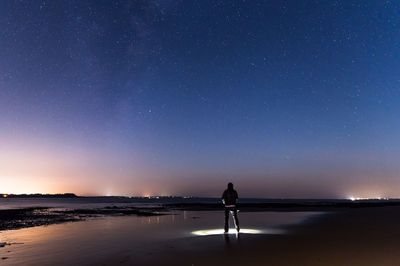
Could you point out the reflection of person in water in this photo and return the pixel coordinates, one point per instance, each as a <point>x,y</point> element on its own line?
<point>229,198</point>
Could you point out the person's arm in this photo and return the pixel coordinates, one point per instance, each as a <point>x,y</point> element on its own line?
<point>236,196</point>
<point>223,197</point>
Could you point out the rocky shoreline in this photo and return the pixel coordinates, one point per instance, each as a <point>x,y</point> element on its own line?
<point>36,216</point>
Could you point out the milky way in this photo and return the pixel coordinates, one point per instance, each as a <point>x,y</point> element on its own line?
<point>284,98</point>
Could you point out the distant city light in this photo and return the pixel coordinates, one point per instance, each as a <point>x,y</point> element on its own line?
<point>372,198</point>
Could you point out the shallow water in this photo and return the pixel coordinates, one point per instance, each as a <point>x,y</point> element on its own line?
<point>97,240</point>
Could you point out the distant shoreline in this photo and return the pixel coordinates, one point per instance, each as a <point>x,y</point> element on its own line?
<point>38,195</point>
<point>197,198</point>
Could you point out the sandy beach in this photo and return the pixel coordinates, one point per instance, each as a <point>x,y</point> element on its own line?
<point>367,236</point>
<point>358,236</point>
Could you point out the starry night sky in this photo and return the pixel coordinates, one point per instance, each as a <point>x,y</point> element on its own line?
<point>283,98</point>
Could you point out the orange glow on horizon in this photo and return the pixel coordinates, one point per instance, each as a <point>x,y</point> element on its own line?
<point>37,168</point>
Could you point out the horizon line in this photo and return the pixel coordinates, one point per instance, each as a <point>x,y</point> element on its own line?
<point>5,195</point>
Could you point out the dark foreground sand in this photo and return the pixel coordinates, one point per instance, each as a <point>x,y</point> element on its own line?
<point>351,236</point>
<point>366,236</point>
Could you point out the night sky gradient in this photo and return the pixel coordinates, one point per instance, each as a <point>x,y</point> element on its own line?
<point>283,98</point>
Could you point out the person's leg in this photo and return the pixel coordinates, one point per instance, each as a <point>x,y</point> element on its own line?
<point>226,220</point>
<point>236,219</point>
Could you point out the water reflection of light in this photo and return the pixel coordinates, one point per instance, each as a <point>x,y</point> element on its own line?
<point>233,231</point>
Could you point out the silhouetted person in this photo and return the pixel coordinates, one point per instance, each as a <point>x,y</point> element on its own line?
<point>229,198</point>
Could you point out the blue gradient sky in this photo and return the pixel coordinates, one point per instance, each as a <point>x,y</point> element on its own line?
<point>284,98</point>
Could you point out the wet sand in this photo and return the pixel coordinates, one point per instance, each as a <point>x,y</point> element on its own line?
<point>133,240</point>
<point>363,236</point>
<point>367,236</point>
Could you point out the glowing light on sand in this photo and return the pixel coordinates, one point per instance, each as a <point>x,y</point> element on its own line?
<point>211,232</point>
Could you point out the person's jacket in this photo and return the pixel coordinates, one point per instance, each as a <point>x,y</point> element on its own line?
<point>229,198</point>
